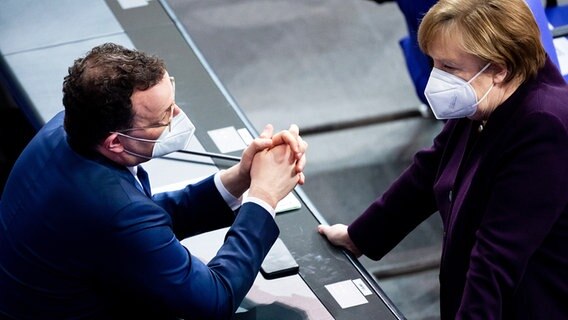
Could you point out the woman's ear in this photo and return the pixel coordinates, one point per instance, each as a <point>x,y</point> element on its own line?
<point>500,72</point>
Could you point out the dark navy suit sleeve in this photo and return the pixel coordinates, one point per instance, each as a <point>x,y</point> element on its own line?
<point>153,267</point>
<point>196,209</point>
<point>528,198</point>
<point>157,272</point>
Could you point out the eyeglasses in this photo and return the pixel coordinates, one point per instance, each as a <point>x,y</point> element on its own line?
<point>158,125</point>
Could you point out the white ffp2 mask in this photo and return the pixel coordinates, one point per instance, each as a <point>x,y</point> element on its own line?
<point>450,96</point>
<point>182,130</point>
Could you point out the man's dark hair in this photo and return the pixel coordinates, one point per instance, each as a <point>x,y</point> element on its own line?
<point>97,90</point>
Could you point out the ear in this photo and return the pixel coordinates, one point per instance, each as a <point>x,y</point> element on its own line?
<point>500,72</point>
<point>112,144</point>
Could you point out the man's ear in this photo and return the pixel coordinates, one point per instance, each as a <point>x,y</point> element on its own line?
<point>112,144</point>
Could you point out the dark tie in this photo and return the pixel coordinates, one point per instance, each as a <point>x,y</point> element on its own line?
<point>143,177</point>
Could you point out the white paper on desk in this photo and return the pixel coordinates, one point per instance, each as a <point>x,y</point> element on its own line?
<point>129,4</point>
<point>346,294</point>
<point>290,202</point>
<point>177,185</point>
<point>245,135</point>
<point>227,139</point>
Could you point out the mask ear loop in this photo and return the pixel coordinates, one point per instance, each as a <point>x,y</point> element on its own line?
<point>480,72</point>
<point>488,90</point>
<point>138,139</point>
<point>485,95</point>
<point>137,154</point>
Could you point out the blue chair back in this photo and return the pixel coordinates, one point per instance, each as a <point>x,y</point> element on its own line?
<point>545,34</point>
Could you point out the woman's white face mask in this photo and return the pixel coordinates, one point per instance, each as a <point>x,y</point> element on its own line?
<point>172,139</point>
<point>450,96</point>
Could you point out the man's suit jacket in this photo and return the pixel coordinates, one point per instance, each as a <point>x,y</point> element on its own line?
<point>502,193</point>
<point>79,240</point>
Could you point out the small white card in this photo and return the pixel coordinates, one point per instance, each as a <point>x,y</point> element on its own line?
<point>129,4</point>
<point>290,202</point>
<point>177,185</point>
<point>362,287</point>
<point>346,294</point>
<point>227,139</point>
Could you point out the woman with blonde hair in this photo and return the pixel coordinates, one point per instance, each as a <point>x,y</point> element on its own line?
<point>497,173</point>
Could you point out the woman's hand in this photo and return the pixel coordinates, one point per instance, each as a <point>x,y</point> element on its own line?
<point>337,234</point>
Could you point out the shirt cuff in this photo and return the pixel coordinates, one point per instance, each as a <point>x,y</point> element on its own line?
<point>233,202</point>
<point>261,203</point>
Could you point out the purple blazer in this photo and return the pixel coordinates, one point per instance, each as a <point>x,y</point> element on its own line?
<point>502,193</point>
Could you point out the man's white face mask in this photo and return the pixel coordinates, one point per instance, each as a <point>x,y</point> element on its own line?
<point>450,96</point>
<point>175,137</point>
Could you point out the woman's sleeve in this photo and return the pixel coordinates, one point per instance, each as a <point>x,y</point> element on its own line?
<point>407,202</point>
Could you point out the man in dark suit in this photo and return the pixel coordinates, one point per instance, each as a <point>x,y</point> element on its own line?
<point>81,235</point>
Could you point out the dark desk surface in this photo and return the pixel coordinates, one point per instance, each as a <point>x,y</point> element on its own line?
<point>38,45</point>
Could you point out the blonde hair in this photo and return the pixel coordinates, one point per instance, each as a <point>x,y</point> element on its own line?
<point>498,31</point>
